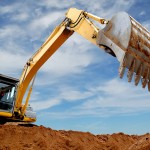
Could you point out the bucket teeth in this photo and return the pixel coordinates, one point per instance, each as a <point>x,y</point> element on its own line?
<point>122,69</point>
<point>145,77</point>
<point>144,82</point>
<point>131,71</point>
<point>138,75</point>
<point>129,75</point>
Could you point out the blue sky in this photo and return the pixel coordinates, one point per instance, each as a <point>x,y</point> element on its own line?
<point>78,88</point>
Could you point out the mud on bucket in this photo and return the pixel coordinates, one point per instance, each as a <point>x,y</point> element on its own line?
<point>130,43</point>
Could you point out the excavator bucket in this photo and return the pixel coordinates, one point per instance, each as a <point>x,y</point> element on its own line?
<point>125,38</point>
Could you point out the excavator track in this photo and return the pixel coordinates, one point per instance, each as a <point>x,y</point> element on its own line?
<point>25,124</point>
<point>6,121</point>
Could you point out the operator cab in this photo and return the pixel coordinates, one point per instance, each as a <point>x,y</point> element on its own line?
<point>7,92</point>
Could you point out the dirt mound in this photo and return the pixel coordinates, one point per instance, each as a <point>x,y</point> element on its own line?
<point>40,138</point>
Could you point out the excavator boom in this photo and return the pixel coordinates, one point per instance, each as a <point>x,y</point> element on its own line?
<point>58,37</point>
<point>75,21</point>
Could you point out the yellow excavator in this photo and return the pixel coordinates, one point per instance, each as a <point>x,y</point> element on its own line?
<point>122,37</point>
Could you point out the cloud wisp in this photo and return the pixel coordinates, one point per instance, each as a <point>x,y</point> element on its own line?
<point>110,98</point>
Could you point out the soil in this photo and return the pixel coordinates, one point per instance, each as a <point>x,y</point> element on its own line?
<point>13,137</point>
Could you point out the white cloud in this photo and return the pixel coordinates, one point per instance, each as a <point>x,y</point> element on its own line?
<point>8,9</point>
<point>13,53</point>
<point>12,63</point>
<point>55,4</point>
<point>107,8</point>
<point>115,93</point>
<point>68,62</point>
<point>44,104</point>
<point>72,58</point>
<point>71,94</point>
<point>142,13</point>
<point>63,93</point>
<point>11,32</point>
<point>42,22</point>
<point>146,24</point>
<point>23,16</point>
<point>75,95</point>
<point>16,12</point>
<point>112,97</point>
<point>101,112</point>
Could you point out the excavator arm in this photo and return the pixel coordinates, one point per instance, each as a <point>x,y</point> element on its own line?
<point>57,38</point>
<point>75,21</point>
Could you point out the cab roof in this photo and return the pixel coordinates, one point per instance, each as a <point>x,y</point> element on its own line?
<point>8,80</point>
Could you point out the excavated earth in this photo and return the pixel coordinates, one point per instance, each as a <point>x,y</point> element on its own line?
<point>14,137</point>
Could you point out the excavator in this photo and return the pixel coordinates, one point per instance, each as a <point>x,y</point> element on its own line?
<point>121,37</point>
